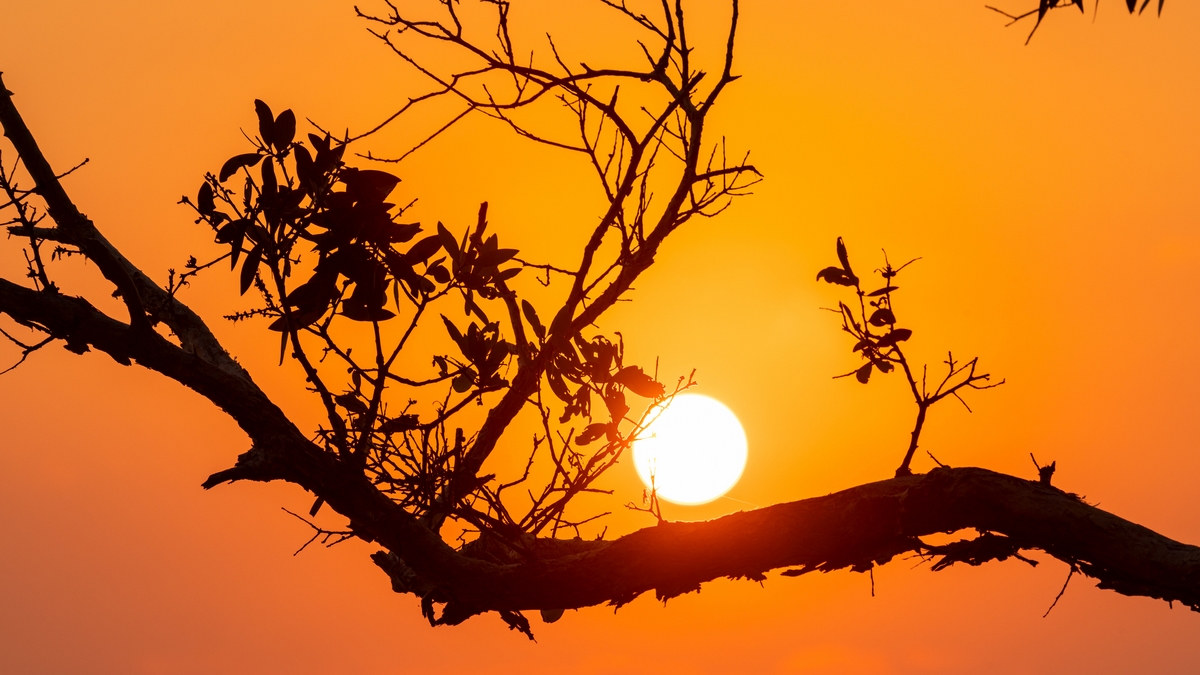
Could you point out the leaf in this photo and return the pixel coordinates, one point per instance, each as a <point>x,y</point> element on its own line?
<point>591,433</point>
<point>269,185</point>
<point>448,241</point>
<point>423,249</point>
<point>836,275</point>
<point>230,231</point>
<point>351,402</point>
<point>639,382</point>
<point>233,164</point>
<point>534,322</point>
<point>250,267</point>
<point>843,257</point>
<point>882,317</point>
<point>614,400</point>
<point>439,273</point>
<point>299,321</point>
<point>369,184</point>
<point>863,374</point>
<point>266,120</point>
<point>897,335</point>
<point>558,386</point>
<point>464,381</point>
<point>401,423</point>
<point>205,203</point>
<point>508,274</point>
<point>883,291</point>
<point>455,333</point>
<point>284,130</point>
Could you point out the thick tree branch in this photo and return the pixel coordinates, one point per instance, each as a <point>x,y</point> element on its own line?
<point>855,528</point>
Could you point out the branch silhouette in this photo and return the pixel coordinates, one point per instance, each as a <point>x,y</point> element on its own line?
<point>346,282</point>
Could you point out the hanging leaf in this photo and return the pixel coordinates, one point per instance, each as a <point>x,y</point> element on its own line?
<point>883,291</point>
<point>464,381</point>
<point>614,400</point>
<point>639,382</point>
<point>402,423</point>
<point>882,317</point>
<point>455,334</point>
<point>534,322</point>
<point>369,184</point>
<point>591,433</point>
<point>352,403</point>
<point>250,267</point>
<point>439,273</point>
<point>558,386</point>
<point>863,374</point>
<point>836,275</point>
<point>897,335</point>
<point>423,250</point>
<point>235,163</point>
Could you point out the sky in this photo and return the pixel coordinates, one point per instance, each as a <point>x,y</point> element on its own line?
<point>1048,189</point>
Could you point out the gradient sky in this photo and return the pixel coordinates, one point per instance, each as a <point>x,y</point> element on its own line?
<point>1050,189</point>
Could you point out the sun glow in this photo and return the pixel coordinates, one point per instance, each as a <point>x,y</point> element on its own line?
<point>695,450</point>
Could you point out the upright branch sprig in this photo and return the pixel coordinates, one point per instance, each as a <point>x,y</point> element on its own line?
<point>872,323</point>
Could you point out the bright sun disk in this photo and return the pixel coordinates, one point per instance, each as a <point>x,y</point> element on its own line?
<point>695,450</point>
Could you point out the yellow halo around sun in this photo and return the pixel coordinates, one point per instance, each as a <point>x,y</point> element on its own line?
<point>695,449</point>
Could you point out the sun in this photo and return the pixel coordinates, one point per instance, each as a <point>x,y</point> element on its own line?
<point>695,450</point>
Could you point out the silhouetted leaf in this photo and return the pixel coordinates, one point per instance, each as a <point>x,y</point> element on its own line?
<point>614,400</point>
<point>882,317</point>
<point>534,322</point>
<point>423,250</point>
<point>250,267</point>
<point>883,291</point>
<point>843,257</point>
<point>439,273</point>
<point>233,164</point>
<point>639,382</point>
<point>558,386</point>
<point>897,335</point>
<point>284,130</point>
<point>205,203</point>
<point>464,381</point>
<point>863,374</point>
<point>369,184</point>
<point>351,402</point>
<point>304,168</point>
<point>455,333</point>
<point>590,433</point>
<point>231,231</point>
<point>448,241</point>
<point>836,275</point>
<point>862,344</point>
<point>401,423</point>
<point>358,310</point>
<point>300,320</point>
<point>266,120</point>
<point>269,185</point>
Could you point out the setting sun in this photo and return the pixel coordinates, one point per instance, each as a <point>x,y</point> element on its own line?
<point>695,450</point>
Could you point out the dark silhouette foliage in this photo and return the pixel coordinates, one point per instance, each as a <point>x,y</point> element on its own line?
<point>347,281</point>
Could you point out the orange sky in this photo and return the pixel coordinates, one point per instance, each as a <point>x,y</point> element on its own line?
<point>1050,189</point>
